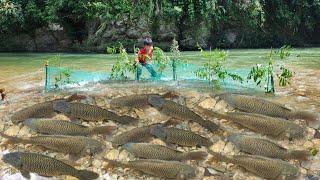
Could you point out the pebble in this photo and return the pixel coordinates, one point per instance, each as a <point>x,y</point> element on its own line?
<point>112,154</point>
<point>218,146</point>
<point>208,103</point>
<point>13,130</point>
<point>221,106</point>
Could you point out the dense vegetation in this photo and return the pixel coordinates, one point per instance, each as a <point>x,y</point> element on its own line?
<point>95,24</point>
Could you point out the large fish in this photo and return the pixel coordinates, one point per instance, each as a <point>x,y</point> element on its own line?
<point>265,147</point>
<point>159,168</point>
<point>90,112</point>
<point>62,127</point>
<point>262,166</point>
<point>137,100</point>
<point>41,110</point>
<point>153,151</point>
<point>134,135</point>
<point>77,145</point>
<point>270,126</point>
<point>44,166</point>
<point>179,136</point>
<point>261,106</point>
<point>181,112</point>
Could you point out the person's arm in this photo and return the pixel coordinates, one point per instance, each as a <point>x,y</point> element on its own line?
<point>138,57</point>
<point>150,54</point>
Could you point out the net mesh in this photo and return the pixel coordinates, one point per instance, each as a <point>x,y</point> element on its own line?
<point>58,77</point>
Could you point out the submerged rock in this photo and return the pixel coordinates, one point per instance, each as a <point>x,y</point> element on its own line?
<point>208,103</point>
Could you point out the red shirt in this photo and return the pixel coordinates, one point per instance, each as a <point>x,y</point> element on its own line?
<point>143,55</point>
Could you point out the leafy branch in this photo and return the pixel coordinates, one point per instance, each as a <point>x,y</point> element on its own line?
<point>213,70</point>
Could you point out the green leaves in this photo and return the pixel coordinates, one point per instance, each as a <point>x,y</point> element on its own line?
<point>123,65</point>
<point>160,59</point>
<point>257,73</point>
<point>264,74</point>
<point>213,70</point>
<point>285,76</point>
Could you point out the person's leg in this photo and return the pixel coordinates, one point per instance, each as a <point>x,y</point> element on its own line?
<point>138,71</point>
<point>151,70</point>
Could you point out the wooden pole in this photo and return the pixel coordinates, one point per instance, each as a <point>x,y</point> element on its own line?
<point>46,71</point>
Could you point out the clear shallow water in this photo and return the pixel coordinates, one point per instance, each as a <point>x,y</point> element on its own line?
<point>15,64</point>
<point>22,71</point>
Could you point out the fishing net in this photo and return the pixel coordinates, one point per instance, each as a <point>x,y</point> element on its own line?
<point>58,77</point>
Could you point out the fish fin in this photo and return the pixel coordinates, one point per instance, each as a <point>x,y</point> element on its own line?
<point>220,157</point>
<point>156,101</point>
<point>87,175</point>
<point>31,123</point>
<point>171,122</point>
<point>196,155</point>
<point>114,163</point>
<point>298,154</point>
<point>158,131</point>
<point>209,125</point>
<point>210,113</point>
<point>75,97</point>
<point>102,129</point>
<point>75,120</point>
<point>26,174</point>
<point>73,157</point>
<point>308,116</point>
<point>128,146</point>
<point>62,107</point>
<point>127,120</point>
<point>170,95</point>
<point>10,138</point>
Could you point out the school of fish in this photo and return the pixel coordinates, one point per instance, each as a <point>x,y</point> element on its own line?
<point>261,156</point>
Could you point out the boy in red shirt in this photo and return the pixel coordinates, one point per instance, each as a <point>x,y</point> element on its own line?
<point>145,55</point>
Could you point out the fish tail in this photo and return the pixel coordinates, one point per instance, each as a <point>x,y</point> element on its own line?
<point>75,97</point>
<point>102,129</point>
<point>156,101</point>
<point>62,107</point>
<point>210,113</point>
<point>158,131</point>
<point>309,116</point>
<point>86,175</point>
<point>196,155</point>
<point>12,138</point>
<point>170,94</point>
<point>114,163</point>
<point>211,126</point>
<point>220,157</point>
<point>127,119</point>
<point>298,154</point>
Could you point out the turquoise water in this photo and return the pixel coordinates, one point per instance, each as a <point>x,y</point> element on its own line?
<point>13,64</point>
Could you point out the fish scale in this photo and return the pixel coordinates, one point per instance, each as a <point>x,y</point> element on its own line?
<point>262,166</point>
<point>269,168</point>
<point>133,101</point>
<point>179,136</point>
<point>153,151</point>
<point>62,127</point>
<point>261,106</point>
<point>90,112</point>
<point>134,135</point>
<point>186,138</point>
<point>271,126</point>
<point>265,147</point>
<point>66,144</point>
<point>40,110</point>
<point>44,165</point>
<point>181,112</point>
<point>160,168</point>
